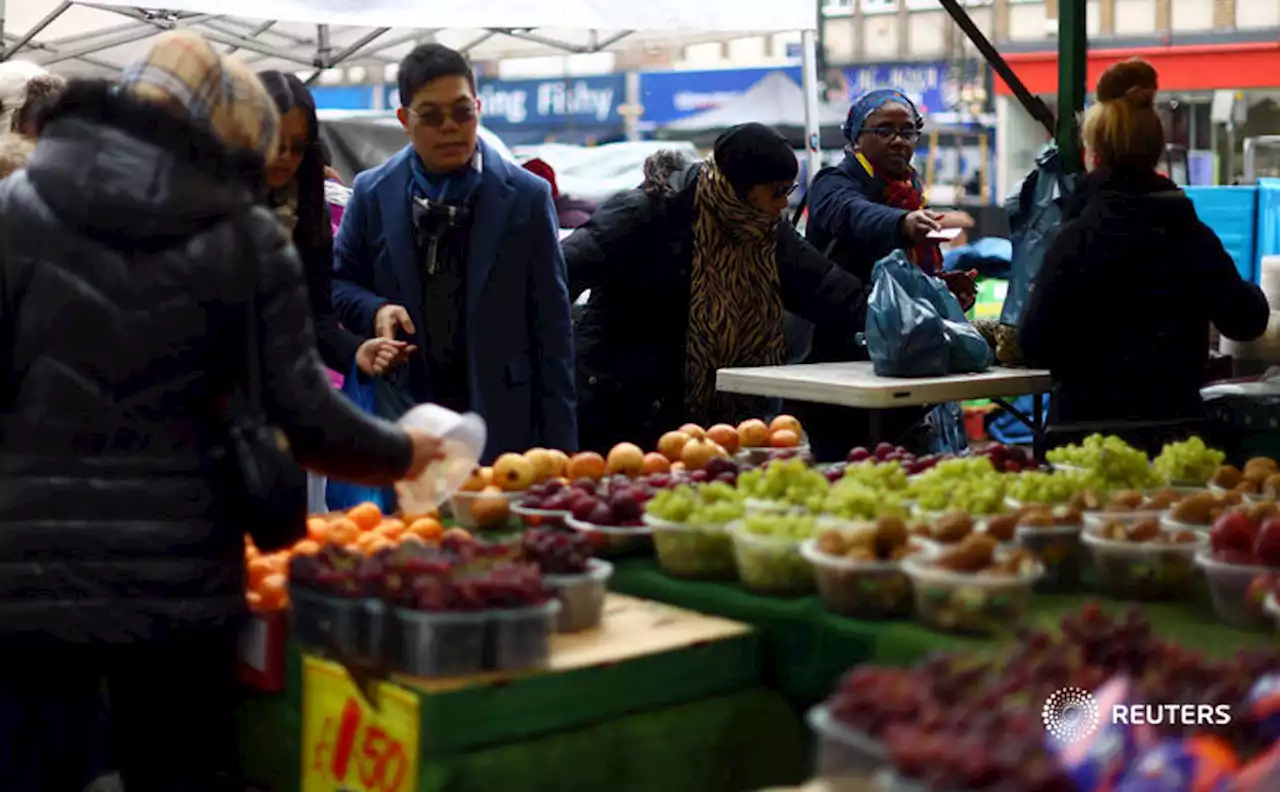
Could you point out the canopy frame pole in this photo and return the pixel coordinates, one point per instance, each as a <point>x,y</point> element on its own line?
<point>324,50</point>
<point>257,31</point>
<point>809,82</point>
<point>35,30</point>
<point>1073,59</point>
<point>217,38</point>
<point>129,38</point>
<point>357,45</point>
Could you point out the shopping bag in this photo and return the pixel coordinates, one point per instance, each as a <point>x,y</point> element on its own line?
<point>386,397</point>
<point>916,327</point>
<point>1035,214</point>
<point>905,333</point>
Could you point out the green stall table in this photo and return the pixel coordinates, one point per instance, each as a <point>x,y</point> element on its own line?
<point>658,699</point>
<point>806,648</point>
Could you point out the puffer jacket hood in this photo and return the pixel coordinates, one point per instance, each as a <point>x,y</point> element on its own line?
<point>100,169</point>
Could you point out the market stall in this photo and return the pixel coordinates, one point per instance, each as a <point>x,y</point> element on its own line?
<point>777,578</point>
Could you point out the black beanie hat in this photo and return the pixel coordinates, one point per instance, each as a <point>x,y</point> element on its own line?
<point>751,154</point>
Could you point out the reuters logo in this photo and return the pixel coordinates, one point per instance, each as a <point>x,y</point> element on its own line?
<point>1070,714</point>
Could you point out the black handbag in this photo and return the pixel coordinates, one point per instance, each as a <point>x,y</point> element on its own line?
<point>271,487</point>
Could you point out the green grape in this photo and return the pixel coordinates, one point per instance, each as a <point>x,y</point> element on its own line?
<point>882,476</point>
<point>1189,461</point>
<point>716,502</point>
<point>788,481</point>
<point>850,499</point>
<point>1115,464</point>
<point>971,484</point>
<point>781,526</point>
<point>1052,488</point>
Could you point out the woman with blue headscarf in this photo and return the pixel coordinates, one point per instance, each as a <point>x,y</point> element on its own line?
<point>860,211</point>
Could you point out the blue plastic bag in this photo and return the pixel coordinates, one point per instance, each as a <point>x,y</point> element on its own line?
<point>386,398</point>
<point>905,333</point>
<point>1035,214</point>
<point>916,327</point>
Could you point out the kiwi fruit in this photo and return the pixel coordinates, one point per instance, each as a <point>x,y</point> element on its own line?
<point>1143,531</point>
<point>890,534</point>
<point>1227,477</point>
<point>952,527</point>
<point>1002,527</point>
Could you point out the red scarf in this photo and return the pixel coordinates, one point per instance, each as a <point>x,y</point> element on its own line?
<point>909,195</point>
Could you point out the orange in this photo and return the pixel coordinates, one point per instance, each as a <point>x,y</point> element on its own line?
<point>367,515</point>
<point>258,569</point>
<point>253,599</point>
<point>306,547</point>
<point>343,531</point>
<point>426,528</point>
<point>392,528</point>
<point>317,529</point>
<point>279,561</point>
<point>378,544</point>
<point>274,590</point>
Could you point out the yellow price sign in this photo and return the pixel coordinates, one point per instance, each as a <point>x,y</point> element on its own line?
<point>348,746</point>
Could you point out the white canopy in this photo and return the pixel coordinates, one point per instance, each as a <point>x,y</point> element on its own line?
<point>319,34</point>
<point>775,101</point>
<point>297,34</point>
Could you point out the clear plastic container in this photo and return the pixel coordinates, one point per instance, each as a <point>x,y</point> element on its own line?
<point>844,752</point>
<point>1150,571</point>
<point>522,637</point>
<point>614,540</point>
<point>1170,525</point>
<point>761,506</point>
<point>329,624</point>
<point>695,551</point>
<point>439,644</point>
<point>463,436</point>
<point>1095,521</point>
<point>539,518</point>
<point>768,565</point>
<point>1229,589</point>
<point>1058,547</point>
<point>581,596</point>
<point>863,589</point>
<point>473,510</point>
<point>969,603</point>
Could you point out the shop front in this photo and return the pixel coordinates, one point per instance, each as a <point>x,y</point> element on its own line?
<point>1212,97</point>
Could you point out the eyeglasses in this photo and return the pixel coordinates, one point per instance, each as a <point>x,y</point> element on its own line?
<point>783,190</point>
<point>887,134</point>
<point>297,148</point>
<point>436,116</point>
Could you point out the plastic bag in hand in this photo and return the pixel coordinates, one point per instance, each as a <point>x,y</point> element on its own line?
<point>916,327</point>
<point>906,336</point>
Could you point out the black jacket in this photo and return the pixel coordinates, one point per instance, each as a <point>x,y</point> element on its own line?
<point>1120,311</point>
<point>128,249</point>
<point>635,255</point>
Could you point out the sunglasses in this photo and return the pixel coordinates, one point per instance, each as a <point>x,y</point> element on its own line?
<point>887,134</point>
<point>436,116</point>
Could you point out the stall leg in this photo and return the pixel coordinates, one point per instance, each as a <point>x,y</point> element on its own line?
<point>1038,427</point>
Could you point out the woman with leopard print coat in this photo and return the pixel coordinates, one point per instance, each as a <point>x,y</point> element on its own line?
<point>693,272</point>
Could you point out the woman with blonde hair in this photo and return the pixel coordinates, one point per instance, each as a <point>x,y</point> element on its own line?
<point>144,288</point>
<point>1121,309</point>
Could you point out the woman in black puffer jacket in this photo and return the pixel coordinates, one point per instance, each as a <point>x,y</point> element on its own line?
<point>129,248</point>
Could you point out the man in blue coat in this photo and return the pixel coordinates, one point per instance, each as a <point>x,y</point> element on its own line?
<point>454,249</point>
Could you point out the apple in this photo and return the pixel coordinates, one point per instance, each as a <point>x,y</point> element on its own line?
<point>671,444</point>
<point>655,462</point>
<point>1233,532</point>
<point>724,436</point>
<point>1266,545</point>
<point>698,452</point>
<point>625,458</point>
<point>752,433</point>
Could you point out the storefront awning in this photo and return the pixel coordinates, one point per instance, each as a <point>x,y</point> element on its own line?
<point>1208,67</point>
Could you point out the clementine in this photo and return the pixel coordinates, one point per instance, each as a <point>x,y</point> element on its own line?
<point>426,528</point>
<point>318,529</point>
<point>274,590</point>
<point>258,569</point>
<point>343,531</point>
<point>306,547</point>
<point>367,516</point>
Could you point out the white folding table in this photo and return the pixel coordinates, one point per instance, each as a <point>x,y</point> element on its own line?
<point>855,384</point>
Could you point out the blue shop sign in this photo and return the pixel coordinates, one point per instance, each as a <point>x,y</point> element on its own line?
<point>343,97</point>
<point>670,95</point>
<point>928,85</point>
<point>567,101</point>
